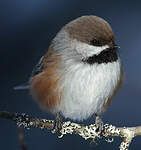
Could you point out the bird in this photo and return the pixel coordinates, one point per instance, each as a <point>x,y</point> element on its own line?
<point>81,71</point>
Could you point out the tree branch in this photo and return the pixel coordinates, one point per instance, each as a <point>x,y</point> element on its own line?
<point>86,132</point>
<point>23,146</point>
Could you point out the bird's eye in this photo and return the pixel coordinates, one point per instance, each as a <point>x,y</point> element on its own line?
<point>95,42</point>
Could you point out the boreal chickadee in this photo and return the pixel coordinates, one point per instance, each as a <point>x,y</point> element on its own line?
<point>81,71</point>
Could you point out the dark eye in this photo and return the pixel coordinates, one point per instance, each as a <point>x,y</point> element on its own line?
<point>95,42</point>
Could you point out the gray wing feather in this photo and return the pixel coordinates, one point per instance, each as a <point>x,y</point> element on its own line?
<point>24,86</point>
<point>36,70</point>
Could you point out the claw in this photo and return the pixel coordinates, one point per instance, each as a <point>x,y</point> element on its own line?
<point>99,124</point>
<point>57,123</point>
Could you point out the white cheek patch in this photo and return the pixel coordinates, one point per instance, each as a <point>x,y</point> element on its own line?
<point>66,46</point>
<point>87,50</point>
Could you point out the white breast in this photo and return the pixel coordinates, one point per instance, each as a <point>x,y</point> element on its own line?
<point>86,88</point>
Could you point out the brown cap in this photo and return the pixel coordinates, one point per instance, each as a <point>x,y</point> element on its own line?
<point>89,28</point>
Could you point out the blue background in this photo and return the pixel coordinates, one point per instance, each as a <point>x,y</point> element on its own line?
<point>26,29</point>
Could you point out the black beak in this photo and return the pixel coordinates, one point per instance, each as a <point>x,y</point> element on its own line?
<point>112,46</point>
<point>116,46</point>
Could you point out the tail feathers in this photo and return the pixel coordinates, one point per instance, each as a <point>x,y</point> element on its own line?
<point>24,86</point>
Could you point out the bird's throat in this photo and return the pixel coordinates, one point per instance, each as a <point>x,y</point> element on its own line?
<point>106,56</point>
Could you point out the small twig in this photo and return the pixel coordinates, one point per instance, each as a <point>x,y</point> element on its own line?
<point>27,121</point>
<point>86,132</point>
<point>21,139</point>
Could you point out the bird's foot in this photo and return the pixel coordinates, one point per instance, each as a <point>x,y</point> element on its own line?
<point>57,123</point>
<point>99,125</point>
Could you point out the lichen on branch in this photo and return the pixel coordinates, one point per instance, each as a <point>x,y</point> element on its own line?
<point>86,132</point>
